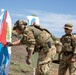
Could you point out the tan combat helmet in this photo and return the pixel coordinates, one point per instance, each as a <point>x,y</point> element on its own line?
<point>18,24</point>
<point>68,26</point>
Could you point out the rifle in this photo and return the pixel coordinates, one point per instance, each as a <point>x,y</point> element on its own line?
<point>58,60</point>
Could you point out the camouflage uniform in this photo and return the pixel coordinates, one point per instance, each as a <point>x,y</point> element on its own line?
<point>40,40</point>
<point>68,49</point>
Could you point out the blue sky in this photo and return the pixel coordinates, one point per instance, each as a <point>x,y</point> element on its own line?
<point>53,14</point>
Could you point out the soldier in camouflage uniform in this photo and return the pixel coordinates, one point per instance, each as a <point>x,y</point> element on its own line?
<point>68,52</point>
<point>37,40</point>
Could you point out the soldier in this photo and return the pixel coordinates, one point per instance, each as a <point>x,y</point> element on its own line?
<point>68,52</point>
<point>37,40</point>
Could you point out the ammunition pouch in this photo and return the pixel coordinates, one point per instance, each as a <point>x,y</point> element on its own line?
<point>67,56</point>
<point>67,53</point>
<point>44,41</point>
<point>44,47</point>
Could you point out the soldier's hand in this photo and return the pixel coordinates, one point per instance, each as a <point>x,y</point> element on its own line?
<point>73,59</point>
<point>9,44</point>
<point>28,61</point>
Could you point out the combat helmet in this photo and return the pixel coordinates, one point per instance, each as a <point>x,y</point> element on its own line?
<point>18,24</point>
<point>68,26</point>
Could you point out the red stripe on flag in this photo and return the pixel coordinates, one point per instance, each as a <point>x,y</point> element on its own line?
<point>4,30</point>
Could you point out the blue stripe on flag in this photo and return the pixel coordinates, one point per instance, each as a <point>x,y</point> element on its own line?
<point>4,57</point>
<point>33,20</point>
<point>2,16</point>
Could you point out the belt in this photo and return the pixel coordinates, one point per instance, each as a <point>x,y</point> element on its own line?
<point>42,63</point>
<point>67,53</point>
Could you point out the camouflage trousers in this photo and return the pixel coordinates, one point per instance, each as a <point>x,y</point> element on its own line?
<point>43,69</point>
<point>44,61</point>
<point>64,65</point>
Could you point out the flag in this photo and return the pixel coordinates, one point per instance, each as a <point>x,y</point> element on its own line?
<point>33,20</point>
<point>5,29</point>
<point>5,36</point>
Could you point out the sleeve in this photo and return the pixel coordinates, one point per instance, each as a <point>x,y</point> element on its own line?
<point>74,42</point>
<point>28,39</point>
<point>61,39</point>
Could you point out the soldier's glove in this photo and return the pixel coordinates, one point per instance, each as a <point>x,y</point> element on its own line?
<point>28,61</point>
<point>9,44</point>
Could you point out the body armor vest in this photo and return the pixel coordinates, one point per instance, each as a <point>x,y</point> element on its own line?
<point>35,31</point>
<point>67,43</point>
<point>42,37</point>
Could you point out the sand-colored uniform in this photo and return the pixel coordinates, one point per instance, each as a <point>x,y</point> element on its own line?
<point>68,49</point>
<point>40,40</point>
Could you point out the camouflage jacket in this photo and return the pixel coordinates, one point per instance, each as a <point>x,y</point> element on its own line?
<point>33,36</point>
<point>68,43</point>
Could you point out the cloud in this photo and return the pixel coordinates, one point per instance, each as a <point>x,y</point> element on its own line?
<point>52,21</point>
